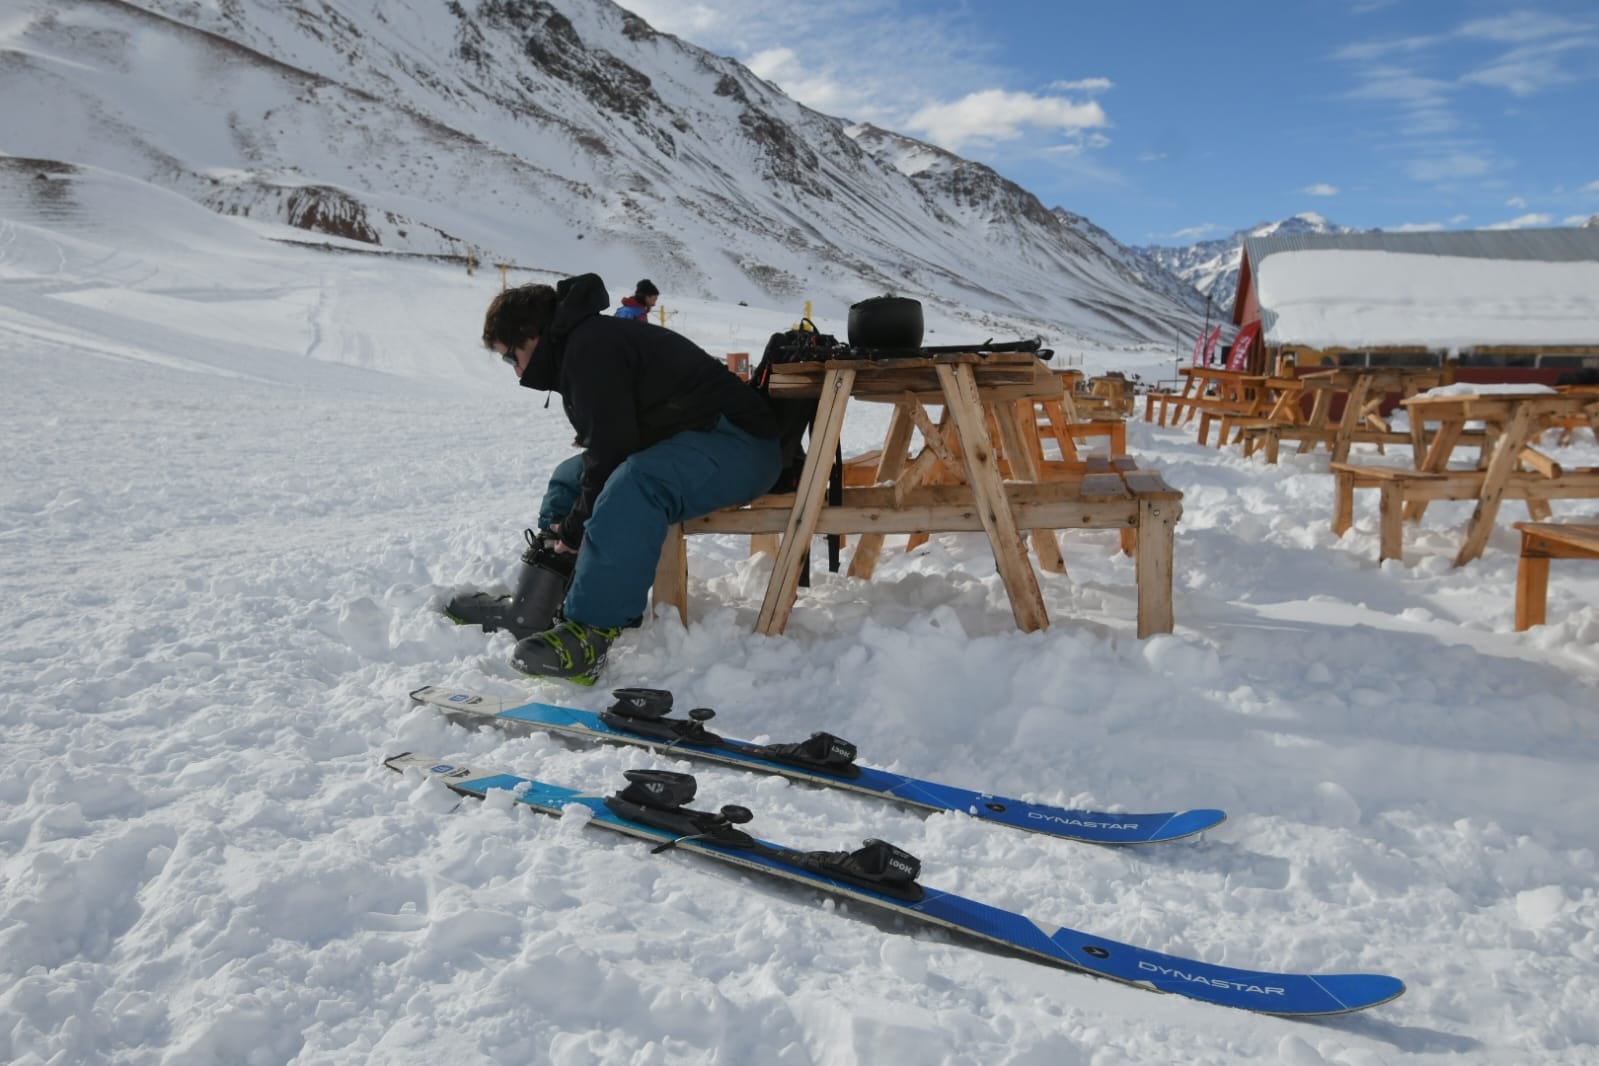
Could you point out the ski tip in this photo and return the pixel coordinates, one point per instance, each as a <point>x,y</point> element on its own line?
<point>418,695</point>
<point>1187,823</point>
<point>1358,991</point>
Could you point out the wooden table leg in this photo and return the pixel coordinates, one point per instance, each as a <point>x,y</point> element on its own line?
<point>671,573</point>
<point>1343,502</point>
<point>1532,583</point>
<point>1506,454</point>
<point>1318,419</point>
<point>1024,468</point>
<point>1157,526</point>
<point>890,467</point>
<point>1436,461</point>
<point>1390,515</point>
<point>988,491</point>
<point>1353,406</point>
<point>1058,428</point>
<point>808,500</point>
<point>1118,438</point>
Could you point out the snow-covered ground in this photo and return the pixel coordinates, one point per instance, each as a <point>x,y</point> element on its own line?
<point>239,479</point>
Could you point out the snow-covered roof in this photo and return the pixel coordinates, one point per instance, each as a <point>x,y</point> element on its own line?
<point>1450,291</point>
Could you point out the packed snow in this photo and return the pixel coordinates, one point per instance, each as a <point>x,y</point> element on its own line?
<point>1346,297</point>
<point>242,476</point>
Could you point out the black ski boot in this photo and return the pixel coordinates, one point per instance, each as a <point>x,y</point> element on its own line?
<point>532,608</point>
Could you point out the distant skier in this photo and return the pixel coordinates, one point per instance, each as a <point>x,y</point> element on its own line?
<point>641,302</point>
<point>668,435</point>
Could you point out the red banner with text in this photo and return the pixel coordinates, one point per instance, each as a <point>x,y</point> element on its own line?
<point>1238,358</point>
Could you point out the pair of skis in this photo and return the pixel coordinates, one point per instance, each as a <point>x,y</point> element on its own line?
<point>654,807</point>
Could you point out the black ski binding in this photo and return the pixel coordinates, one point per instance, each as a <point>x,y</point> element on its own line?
<point>878,865</point>
<point>655,798</point>
<point>643,711</point>
<point>831,755</point>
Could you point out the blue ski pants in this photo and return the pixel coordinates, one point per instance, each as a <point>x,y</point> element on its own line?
<point>684,476</point>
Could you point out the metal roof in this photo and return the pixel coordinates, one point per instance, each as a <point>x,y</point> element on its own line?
<point>1538,245</point>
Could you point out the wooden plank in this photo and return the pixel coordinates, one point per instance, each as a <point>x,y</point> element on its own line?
<point>1157,523</point>
<point>931,434</point>
<point>1532,584</point>
<point>1149,483</point>
<point>671,573</point>
<point>890,468</point>
<point>1025,468</point>
<point>1536,460</point>
<point>1506,452</point>
<point>808,500</point>
<point>1104,486</point>
<point>988,490</point>
<point>1391,509</point>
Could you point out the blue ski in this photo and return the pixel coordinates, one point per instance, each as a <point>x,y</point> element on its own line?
<point>652,807</point>
<point>639,717</point>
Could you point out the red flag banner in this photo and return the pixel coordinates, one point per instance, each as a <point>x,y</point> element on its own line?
<point>1210,345</point>
<point>1238,358</point>
<point>1199,349</point>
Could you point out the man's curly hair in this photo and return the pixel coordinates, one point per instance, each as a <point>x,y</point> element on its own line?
<point>518,315</point>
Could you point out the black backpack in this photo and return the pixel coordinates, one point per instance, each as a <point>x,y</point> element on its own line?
<point>796,416</point>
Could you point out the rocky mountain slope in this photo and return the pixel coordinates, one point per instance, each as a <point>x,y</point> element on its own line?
<point>557,135</point>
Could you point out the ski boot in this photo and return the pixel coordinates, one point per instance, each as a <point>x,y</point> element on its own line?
<point>540,588</point>
<point>570,650</point>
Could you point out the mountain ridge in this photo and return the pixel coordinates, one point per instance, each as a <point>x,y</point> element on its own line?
<point>562,135</point>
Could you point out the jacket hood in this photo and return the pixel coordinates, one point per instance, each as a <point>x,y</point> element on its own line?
<point>576,298</point>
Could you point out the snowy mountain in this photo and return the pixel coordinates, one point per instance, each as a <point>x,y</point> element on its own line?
<point>1211,267</point>
<point>556,136</point>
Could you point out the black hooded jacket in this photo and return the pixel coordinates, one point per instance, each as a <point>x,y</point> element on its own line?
<point>627,384</point>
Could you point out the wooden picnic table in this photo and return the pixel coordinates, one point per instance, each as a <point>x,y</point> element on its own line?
<point>1209,391</point>
<point>1364,390</point>
<point>979,470</point>
<point>1507,464</point>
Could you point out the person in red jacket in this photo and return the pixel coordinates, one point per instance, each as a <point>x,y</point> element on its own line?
<point>641,302</point>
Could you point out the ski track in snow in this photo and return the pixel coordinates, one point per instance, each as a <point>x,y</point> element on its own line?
<point>241,478</point>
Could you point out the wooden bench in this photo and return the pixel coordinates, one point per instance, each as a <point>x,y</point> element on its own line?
<point>1405,494</point>
<point>1540,542</point>
<point>1097,493</point>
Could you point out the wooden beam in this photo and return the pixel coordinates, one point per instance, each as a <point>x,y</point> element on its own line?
<point>988,490</point>
<point>809,498</point>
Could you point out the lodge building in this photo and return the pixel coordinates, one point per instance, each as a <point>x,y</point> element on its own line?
<point>1504,305</point>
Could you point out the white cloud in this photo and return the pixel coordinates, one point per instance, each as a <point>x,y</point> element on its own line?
<point>1418,227</point>
<point>1451,167</point>
<point>824,90</point>
<point>1592,186</point>
<point>1460,220</point>
<point>1521,26</point>
<point>1195,232</point>
<point>1574,220</point>
<point>1320,189</point>
<point>997,115</point>
<point>1523,222</point>
<point>1517,202</point>
<point>677,18</point>
<point>1085,85</point>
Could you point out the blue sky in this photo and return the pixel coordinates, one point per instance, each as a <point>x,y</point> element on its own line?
<point>1168,122</point>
